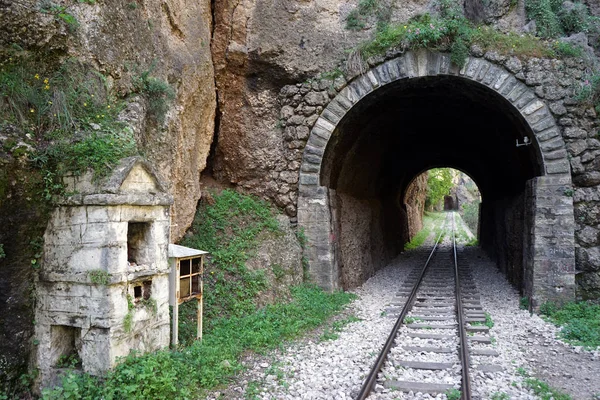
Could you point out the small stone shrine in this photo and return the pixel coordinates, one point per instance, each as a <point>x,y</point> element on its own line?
<point>103,288</point>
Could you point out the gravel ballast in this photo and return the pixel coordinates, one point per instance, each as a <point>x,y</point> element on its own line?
<point>335,369</point>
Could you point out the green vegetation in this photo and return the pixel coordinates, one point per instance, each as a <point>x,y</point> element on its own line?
<point>524,303</point>
<point>589,92</point>
<point>453,394</point>
<point>187,372</point>
<point>432,222</point>
<point>2,253</point>
<point>580,322</point>
<point>500,396</point>
<point>157,92</point>
<point>67,115</point>
<point>544,391</point>
<point>99,277</point>
<point>488,321</point>
<point>358,18</point>
<point>411,320</point>
<point>439,183</point>
<point>552,20</point>
<point>336,327</point>
<point>451,31</point>
<point>228,226</point>
<point>470,215</point>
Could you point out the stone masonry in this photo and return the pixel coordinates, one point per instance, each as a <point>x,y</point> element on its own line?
<point>542,89</point>
<point>103,287</point>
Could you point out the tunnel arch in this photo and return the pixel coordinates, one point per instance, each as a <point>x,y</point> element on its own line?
<point>542,170</point>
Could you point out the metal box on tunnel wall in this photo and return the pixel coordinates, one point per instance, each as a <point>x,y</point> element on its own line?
<point>185,283</point>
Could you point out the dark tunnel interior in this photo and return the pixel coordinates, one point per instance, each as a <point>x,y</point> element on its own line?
<point>406,128</point>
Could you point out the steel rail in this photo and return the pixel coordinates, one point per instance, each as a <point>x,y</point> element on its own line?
<point>369,382</point>
<point>464,349</point>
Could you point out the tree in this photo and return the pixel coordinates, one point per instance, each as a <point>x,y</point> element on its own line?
<point>439,183</point>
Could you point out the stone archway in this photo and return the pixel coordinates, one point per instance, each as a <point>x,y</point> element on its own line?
<point>549,265</point>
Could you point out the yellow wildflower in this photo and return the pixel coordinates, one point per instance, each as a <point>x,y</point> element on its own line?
<point>37,76</point>
<point>50,102</point>
<point>32,110</point>
<point>107,106</point>
<point>47,87</point>
<point>46,81</point>
<point>85,104</point>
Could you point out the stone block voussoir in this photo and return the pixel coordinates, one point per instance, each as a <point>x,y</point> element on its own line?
<point>551,145</point>
<point>317,142</point>
<point>483,70</point>
<point>410,63</point>
<point>547,134</point>
<point>500,79</point>
<point>433,63</point>
<point>337,108</point>
<point>517,92</point>
<point>538,116</point>
<point>313,150</point>
<point>383,74</point>
<point>321,132</point>
<point>373,79</point>
<point>532,107</point>
<point>491,76</point>
<point>330,116</point>
<point>508,85</point>
<point>526,98</point>
<point>421,62</point>
<point>543,125</point>
<point>324,124</point>
<point>348,95</point>
<point>309,179</point>
<point>556,155</point>
<point>444,64</point>
<point>394,68</point>
<point>306,167</point>
<point>557,167</point>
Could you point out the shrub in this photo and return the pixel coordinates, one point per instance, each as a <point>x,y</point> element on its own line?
<point>66,113</point>
<point>545,14</point>
<point>228,228</point>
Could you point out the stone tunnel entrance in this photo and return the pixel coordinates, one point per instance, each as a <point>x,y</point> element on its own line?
<point>418,112</point>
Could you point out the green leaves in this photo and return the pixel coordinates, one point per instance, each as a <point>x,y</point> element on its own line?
<point>186,373</point>
<point>439,183</point>
<point>580,322</point>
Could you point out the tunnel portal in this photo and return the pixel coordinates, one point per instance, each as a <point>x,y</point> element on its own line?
<point>418,112</point>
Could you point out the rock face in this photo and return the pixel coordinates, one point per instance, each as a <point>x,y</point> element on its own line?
<point>171,41</point>
<point>415,204</point>
<point>280,256</point>
<point>121,39</point>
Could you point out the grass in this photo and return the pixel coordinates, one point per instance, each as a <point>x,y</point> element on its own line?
<point>190,371</point>
<point>65,113</point>
<point>336,327</point>
<point>452,394</point>
<point>432,222</point>
<point>228,225</point>
<point>451,31</point>
<point>544,391</point>
<point>580,322</point>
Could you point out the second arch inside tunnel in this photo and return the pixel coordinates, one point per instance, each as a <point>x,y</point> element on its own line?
<point>407,126</point>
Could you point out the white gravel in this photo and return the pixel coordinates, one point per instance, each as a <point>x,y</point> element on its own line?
<point>335,369</point>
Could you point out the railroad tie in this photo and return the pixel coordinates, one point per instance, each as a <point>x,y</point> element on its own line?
<point>432,366</point>
<point>423,387</point>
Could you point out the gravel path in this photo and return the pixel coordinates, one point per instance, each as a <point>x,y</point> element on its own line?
<point>334,369</point>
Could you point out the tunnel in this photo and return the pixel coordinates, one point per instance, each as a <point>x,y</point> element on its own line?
<point>408,127</point>
<point>376,137</point>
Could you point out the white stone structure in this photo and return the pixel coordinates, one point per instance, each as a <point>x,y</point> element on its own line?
<point>102,290</point>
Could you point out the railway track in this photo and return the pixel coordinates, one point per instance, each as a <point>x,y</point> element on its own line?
<point>440,331</point>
